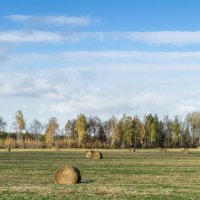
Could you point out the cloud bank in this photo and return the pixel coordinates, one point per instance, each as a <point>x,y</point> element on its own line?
<point>53,82</point>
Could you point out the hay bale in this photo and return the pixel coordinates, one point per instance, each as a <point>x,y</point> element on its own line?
<point>132,150</point>
<point>198,148</point>
<point>88,154</point>
<point>8,149</point>
<point>185,151</point>
<point>96,155</point>
<point>55,149</point>
<point>163,150</point>
<point>67,175</point>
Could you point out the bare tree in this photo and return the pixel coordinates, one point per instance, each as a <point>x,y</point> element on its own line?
<point>3,125</point>
<point>36,128</point>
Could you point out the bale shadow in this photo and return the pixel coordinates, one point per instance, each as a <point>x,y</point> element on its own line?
<point>86,181</point>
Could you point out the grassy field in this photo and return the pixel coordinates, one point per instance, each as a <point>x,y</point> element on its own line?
<point>146,174</point>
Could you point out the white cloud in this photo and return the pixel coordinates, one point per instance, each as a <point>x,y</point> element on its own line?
<point>97,102</point>
<point>4,54</point>
<point>176,38</point>
<point>29,36</point>
<point>38,36</point>
<point>57,20</point>
<point>24,85</point>
<point>63,92</point>
<point>179,38</point>
<point>109,60</point>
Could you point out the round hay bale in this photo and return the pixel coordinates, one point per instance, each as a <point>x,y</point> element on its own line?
<point>8,149</point>
<point>96,155</point>
<point>185,151</point>
<point>88,154</point>
<point>67,175</point>
<point>132,150</point>
<point>163,150</point>
<point>55,149</point>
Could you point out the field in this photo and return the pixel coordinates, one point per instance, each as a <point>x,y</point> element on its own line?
<point>146,174</point>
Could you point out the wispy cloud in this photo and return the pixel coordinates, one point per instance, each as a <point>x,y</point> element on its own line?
<point>29,36</point>
<point>109,60</point>
<point>35,36</point>
<point>164,37</point>
<point>176,38</point>
<point>56,20</point>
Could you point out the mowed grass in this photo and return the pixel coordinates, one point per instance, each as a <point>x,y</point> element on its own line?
<point>146,174</point>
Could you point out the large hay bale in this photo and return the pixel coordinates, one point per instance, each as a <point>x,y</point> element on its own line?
<point>88,154</point>
<point>67,175</point>
<point>185,151</point>
<point>96,155</point>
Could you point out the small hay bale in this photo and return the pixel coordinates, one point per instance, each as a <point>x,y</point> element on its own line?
<point>55,149</point>
<point>88,154</point>
<point>132,150</point>
<point>163,150</point>
<point>67,175</point>
<point>96,155</point>
<point>185,151</point>
<point>8,149</point>
<point>198,148</point>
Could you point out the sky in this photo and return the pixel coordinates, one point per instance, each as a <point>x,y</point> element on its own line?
<point>109,57</point>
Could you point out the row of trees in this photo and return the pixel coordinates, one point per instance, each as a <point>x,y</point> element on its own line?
<point>92,132</point>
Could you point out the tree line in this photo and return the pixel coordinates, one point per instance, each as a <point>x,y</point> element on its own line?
<point>92,132</point>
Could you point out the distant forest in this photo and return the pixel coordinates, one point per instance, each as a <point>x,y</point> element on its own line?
<point>92,132</point>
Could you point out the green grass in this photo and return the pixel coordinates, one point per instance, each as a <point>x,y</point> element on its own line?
<point>146,174</point>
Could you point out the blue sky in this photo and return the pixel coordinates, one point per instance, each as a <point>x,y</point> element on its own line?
<point>62,58</point>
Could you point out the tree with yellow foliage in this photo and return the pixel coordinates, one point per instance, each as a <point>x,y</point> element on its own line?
<point>81,127</point>
<point>51,130</point>
<point>20,122</point>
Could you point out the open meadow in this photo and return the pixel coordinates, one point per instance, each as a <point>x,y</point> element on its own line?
<point>146,174</point>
